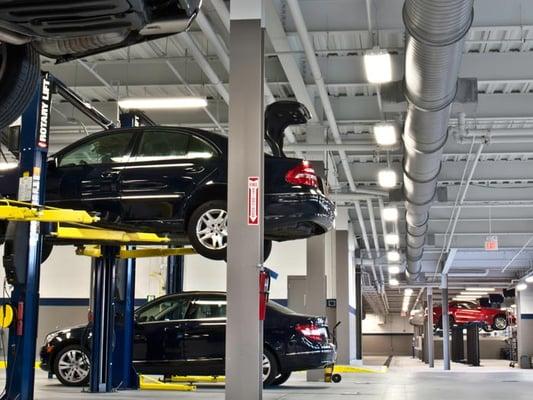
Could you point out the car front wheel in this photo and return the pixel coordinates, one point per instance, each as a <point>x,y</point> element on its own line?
<point>72,366</point>
<point>500,323</point>
<point>281,379</point>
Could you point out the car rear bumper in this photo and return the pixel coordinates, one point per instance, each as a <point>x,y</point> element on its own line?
<point>312,359</point>
<point>290,216</point>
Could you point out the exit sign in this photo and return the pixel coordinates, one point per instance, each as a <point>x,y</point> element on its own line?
<point>491,243</point>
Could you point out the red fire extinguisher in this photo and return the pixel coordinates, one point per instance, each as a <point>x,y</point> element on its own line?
<point>264,290</point>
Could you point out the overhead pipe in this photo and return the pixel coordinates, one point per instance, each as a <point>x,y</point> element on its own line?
<point>435,38</point>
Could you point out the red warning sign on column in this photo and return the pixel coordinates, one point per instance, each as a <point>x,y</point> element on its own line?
<point>253,200</point>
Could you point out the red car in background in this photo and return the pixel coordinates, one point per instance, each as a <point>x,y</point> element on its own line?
<point>463,312</point>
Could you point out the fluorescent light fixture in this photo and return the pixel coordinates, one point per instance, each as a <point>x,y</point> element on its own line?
<point>480,289</point>
<point>521,287</point>
<point>474,293</point>
<point>529,279</point>
<point>394,269</point>
<point>393,282</point>
<point>385,134</point>
<point>8,165</point>
<point>392,239</point>
<point>378,66</point>
<point>393,256</point>
<point>390,214</point>
<point>408,292</point>
<point>387,178</point>
<point>162,103</point>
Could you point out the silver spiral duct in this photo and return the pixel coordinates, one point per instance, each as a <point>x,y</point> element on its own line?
<point>434,46</point>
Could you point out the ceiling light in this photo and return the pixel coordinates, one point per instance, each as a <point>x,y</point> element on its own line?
<point>387,178</point>
<point>394,269</point>
<point>390,214</point>
<point>521,286</point>
<point>529,279</point>
<point>393,256</point>
<point>162,103</point>
<point>393,282</point>
<point>385,134</point>
<point>474,294</point>
<point>378,66</point>
<point>392,239</point>
<point>408,292</point>
<point>480,289</point>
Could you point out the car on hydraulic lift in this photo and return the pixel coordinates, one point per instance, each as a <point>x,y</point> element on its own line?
<point>173,181</point>
<point>65,30</point>
<point>464,312</point>
<point>184,334</point>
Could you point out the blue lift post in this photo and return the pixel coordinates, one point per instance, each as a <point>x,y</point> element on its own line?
<point>25,295</point>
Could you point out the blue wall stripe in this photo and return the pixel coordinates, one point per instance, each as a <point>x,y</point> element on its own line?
<point>526,316</point>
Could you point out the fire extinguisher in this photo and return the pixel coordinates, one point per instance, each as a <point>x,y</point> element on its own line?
<point>264,291</point>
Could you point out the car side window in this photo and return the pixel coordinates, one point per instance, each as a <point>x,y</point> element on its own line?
<point>207,308</point>
<point>112,148</point>
<point>164,310</point>
<point>164,145</point>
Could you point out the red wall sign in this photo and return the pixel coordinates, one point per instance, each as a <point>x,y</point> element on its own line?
<point>253,200</point>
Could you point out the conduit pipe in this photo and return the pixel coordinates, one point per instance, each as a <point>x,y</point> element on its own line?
<point>435,37</point>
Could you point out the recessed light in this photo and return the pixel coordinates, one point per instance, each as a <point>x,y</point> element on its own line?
<point>387,178</point>
<point>392,239</point>
<point>394,269</point>
<point>521,287</point>
<point>390,214</point>
<point>378,66</point>
<point>385,134</point>
<point>529,279</point>
<point>393,282</point>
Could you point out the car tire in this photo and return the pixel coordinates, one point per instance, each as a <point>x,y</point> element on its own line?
<point>500,323</point>
<point>3,231</point>
<point>72,366</point>
<point>19,77</point>
<point>281,379</point>
<point>270,368</point>
<point>214,244</point>
<point>48,246</point>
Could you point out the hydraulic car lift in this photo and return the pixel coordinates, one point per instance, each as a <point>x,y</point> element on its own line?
<point>113,269</point>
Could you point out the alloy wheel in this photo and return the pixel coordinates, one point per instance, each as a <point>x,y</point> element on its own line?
<point>267,367</point>
<point>212,229</point>
<point>73,366</point>
<point>500,323</point>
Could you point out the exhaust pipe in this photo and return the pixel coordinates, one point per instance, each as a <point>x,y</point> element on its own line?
<point>434,46</point>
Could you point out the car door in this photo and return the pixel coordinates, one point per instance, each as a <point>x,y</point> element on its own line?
<point>205,335</point>
<point>159,335</point>
<point>87,175</point>
<point>466,312</point>
<point>167,166</point>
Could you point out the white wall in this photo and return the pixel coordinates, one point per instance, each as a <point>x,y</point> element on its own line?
<point>287,258</point>
<point>391,324</point>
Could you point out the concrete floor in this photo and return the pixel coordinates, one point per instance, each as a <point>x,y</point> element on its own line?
<point>407,379</point>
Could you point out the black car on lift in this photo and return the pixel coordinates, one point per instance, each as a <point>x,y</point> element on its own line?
<point>173,181</point>
<point>66,30</point>
<point>184,334</point>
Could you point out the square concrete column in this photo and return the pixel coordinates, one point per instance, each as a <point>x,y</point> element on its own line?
<point>524,302</point>
<point>346,299</point>
<point>315,296</point>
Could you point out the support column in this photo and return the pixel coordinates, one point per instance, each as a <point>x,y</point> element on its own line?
<point>430,340</point>
<point>445,323</point>
<point>358,311</point>
<point>346,299</point>
<point>175,274</point>
<point>524,301</point>
<point>244,332</point>
<point>24,265</point>
<point>315,293</point>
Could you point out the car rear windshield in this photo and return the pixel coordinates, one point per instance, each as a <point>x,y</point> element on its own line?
<point>279,308</point>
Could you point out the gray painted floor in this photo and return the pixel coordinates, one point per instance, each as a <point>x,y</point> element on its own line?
<point>406,380</point>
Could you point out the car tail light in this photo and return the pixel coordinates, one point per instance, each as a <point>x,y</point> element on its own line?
<point>312,332</point>
<point>303,174</point>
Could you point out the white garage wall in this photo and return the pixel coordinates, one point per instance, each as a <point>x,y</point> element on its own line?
<point>391,324</point>
<point>287,258</point>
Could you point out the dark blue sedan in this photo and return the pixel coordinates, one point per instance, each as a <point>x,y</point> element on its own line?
<point>173,181</point>
<point>184,334</point>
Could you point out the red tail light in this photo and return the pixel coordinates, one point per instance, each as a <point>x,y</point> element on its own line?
<point>312,332</point>
<point>303,174</point>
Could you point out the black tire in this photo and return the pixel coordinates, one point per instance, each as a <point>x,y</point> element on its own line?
<point>336,378</point>
<point>195,224</point>
<point>48,246</point>
<point>500,319</point>
<point>267,249</point>
<point>281,379</point>
<point>272,374</point>
<point>19,77</point>
<point>76,353</point>
<point>3,230</point>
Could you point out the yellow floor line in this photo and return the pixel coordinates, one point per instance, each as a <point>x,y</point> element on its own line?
<point>147,383</point>
<point>352,369</point>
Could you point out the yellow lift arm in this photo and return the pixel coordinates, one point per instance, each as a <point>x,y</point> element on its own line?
<point>24,213</point>
<point>95,251</point>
